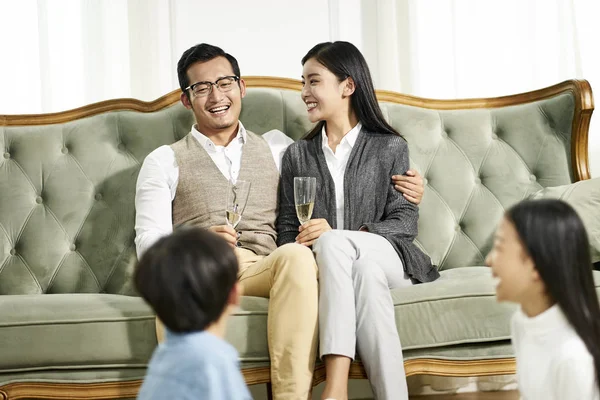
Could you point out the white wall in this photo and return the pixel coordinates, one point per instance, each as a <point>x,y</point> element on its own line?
<point>268,37</point>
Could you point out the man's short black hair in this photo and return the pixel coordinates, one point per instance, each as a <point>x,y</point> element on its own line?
<point>201,53</point>
<point>187,278</point>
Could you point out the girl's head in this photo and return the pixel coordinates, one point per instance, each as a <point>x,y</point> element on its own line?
<point>337,84</point>
<point>541,253</point>
<point>541,249</point>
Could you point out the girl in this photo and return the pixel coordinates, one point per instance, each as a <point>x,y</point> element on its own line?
<point>362,235</point>
<point>541,260</point>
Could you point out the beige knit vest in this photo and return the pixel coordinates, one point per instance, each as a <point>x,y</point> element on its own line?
<point>201,192</point>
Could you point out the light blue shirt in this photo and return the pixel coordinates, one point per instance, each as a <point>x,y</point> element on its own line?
<point>194,366</point>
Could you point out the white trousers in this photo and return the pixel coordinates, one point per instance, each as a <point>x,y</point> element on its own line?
<point>356,312</point>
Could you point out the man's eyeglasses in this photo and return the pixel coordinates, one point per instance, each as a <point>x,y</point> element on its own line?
<point>203,89</point>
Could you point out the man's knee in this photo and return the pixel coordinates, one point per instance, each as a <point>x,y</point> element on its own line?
<point>296,263</point>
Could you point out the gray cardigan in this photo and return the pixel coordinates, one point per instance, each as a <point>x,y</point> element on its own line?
<point>374,159</point>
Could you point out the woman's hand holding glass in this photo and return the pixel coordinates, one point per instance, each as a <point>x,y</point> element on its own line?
<point>304,199</point>
<point>312,230</point>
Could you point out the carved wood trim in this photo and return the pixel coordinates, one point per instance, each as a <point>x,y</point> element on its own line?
<point>429,366</point>
<point>584,107</point>
<point>432,366</point>
<point>65,391</point>
<point>256,375</point>
<point>252,376</point>
<point>97,391</point>
<point>581,89</point>
<point>91,109</point>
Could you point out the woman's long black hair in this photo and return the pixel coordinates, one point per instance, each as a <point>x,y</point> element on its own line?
<point>556,241</point>
<point>344,60</point>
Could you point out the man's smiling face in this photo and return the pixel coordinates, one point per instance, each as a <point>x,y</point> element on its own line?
<point>218,111</point>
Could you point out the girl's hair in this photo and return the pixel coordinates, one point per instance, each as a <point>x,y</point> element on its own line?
<point>344,60</point>
<point>555,239</point>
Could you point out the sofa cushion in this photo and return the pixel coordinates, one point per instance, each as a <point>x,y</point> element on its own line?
<point>460,307</point>
<point>457,312</point>
<point>447,311</point>
<point>584,197</point>
<point>74,331</point>
<point>99,331</point>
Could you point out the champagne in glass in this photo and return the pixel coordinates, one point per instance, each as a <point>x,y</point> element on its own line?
<point>237,197</point>
<point>304,197</point>
<point>233,218</point>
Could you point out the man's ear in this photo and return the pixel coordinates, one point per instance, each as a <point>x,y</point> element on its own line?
<point>242,87</point>
<point>185,99</point>
<point>349,87</point>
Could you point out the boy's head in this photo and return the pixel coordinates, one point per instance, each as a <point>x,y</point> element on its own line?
<point>189,278</point>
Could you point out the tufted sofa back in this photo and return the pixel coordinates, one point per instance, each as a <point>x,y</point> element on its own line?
<point>67,180</point>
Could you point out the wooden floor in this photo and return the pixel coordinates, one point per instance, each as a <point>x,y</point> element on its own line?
<point>504,395</point>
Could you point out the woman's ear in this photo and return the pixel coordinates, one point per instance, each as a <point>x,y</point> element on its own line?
<point>533,271</point>
<point>349,87</point>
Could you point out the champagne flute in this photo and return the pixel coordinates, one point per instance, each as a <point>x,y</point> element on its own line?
<point>304,197</point>
<point>237,197</point>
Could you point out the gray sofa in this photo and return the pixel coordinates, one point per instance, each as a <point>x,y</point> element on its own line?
<point>71,325</point>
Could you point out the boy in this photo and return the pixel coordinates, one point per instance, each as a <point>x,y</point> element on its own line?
<point>189,278</point>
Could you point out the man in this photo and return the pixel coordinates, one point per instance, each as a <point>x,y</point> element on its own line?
<point>194,361</point>
<point>186,183</point>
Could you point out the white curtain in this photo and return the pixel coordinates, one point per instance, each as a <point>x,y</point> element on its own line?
<point>480,48</point>
<point>58,55</point>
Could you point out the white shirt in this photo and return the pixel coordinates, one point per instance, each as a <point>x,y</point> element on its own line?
<point>336,162</point>
<point>553,363</point>
<point>158,178</point>
<point>226,158</point>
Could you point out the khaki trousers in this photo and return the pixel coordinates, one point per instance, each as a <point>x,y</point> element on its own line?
<point>288,278</point>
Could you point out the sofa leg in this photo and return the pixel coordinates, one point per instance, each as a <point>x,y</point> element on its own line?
<point>269,391</point>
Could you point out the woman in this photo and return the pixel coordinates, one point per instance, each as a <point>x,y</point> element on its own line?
<point>541,260</point>
<point>362,235</point>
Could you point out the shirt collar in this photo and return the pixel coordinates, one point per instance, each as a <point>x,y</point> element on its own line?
<point>208,144</point>
<point>551,319</point>
<point>173,338</point>
<point>349,137</point>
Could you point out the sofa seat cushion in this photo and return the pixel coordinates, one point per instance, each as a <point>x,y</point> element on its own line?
<point>75,331</point>
<point>460,307</point>
<point>448,317</point>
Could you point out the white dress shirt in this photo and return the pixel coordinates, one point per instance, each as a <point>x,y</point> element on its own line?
<point>158,178</point>
<point>553,363</point>
<point>336,162</point>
